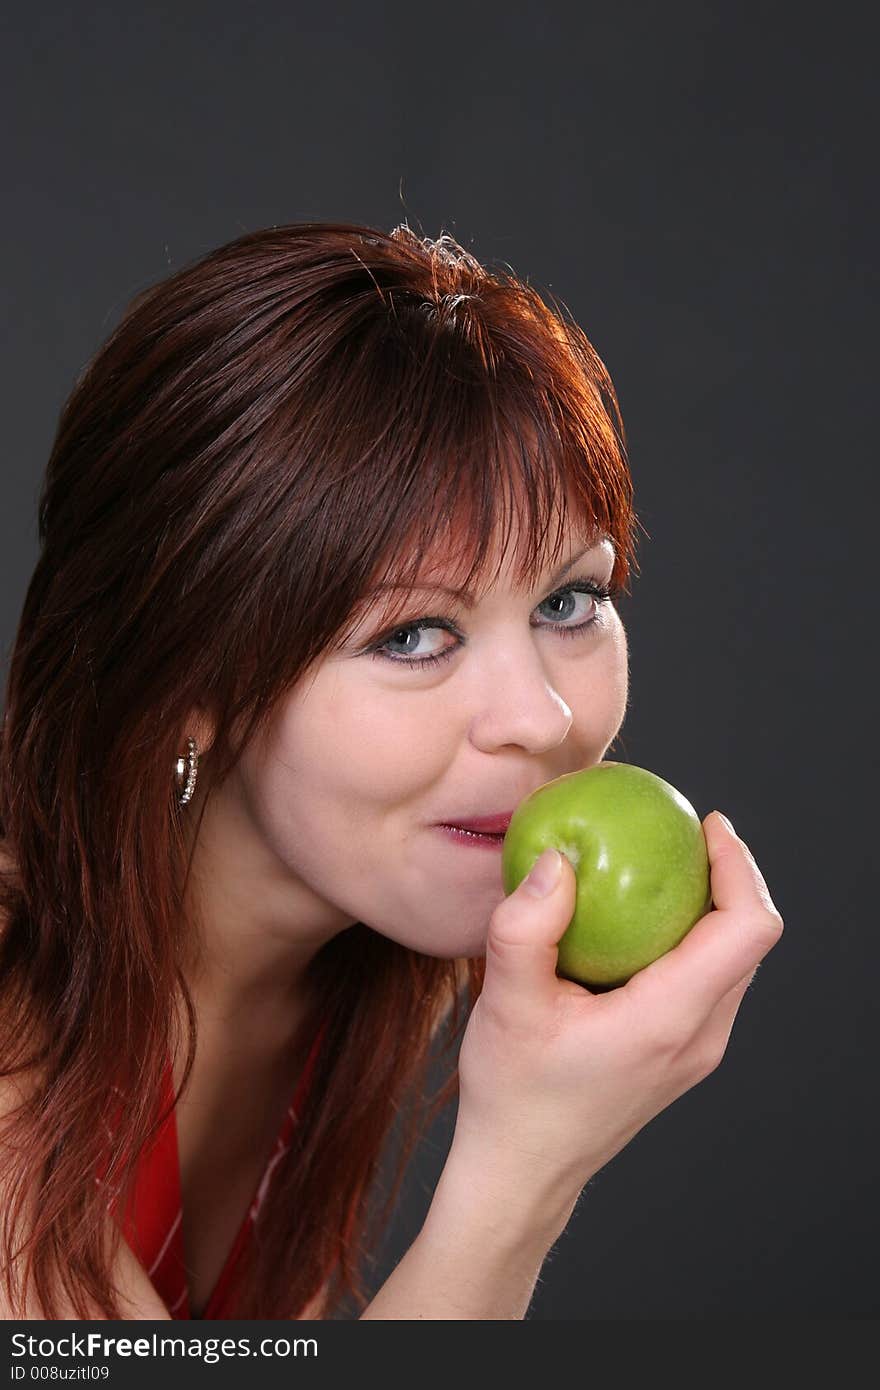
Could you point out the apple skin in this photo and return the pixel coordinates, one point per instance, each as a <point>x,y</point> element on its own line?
<point>639,855</point>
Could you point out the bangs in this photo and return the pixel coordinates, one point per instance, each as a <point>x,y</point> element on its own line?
<point>497,479</point>
<point>451,424</point>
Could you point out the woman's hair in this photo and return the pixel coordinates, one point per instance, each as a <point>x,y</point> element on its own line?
<point>267,434</point>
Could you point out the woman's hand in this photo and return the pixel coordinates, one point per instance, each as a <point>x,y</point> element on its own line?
<point>555,1080</point>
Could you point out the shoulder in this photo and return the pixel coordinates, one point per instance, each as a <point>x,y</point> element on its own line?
<point>138,1297</point>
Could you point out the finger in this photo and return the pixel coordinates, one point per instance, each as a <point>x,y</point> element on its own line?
<point>727,944</point>
<point>737,882</point>
<point>524,932</point>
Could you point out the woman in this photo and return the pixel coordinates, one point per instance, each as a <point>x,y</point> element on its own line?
<point>331,535</point>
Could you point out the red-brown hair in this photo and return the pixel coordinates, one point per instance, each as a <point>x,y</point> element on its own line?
<point>266,434</point>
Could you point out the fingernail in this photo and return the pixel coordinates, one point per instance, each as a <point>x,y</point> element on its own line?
<point>726,821</point>
<point>545,874</point>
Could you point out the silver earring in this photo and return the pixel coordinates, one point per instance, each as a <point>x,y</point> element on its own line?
<point>186,767</point>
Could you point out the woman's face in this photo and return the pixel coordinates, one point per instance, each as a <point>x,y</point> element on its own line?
<point>370,752</point>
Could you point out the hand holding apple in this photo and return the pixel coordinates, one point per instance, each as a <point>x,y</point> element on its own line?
<point>553,1079</point>
<point>639,855</point>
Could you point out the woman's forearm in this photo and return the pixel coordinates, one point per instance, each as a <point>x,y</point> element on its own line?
<point>479,1253</point>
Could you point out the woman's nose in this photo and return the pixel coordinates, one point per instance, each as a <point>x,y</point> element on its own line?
<point>518,704</point>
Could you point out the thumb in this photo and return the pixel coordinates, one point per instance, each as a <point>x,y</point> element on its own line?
<point>524,932</point>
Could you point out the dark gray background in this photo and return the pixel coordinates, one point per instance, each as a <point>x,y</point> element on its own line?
<point>692,180</point>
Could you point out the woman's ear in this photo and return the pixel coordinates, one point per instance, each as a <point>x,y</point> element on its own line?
<point>200,726</point>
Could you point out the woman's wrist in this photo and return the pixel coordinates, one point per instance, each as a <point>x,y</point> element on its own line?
<point>490,1226</point>
<point>516,1201</point>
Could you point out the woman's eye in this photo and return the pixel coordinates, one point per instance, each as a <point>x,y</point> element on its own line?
<point>563,606</point>
<point>413,642</point>
<point>571,612</point>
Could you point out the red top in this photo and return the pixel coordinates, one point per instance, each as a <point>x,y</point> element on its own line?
<point>153,1222</point>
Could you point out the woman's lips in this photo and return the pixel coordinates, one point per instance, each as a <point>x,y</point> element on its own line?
<point>473,839</point>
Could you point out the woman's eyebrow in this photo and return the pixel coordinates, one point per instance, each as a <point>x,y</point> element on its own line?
<point>465,594</point>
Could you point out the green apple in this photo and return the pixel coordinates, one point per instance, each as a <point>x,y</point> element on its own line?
<point>639,855</point>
